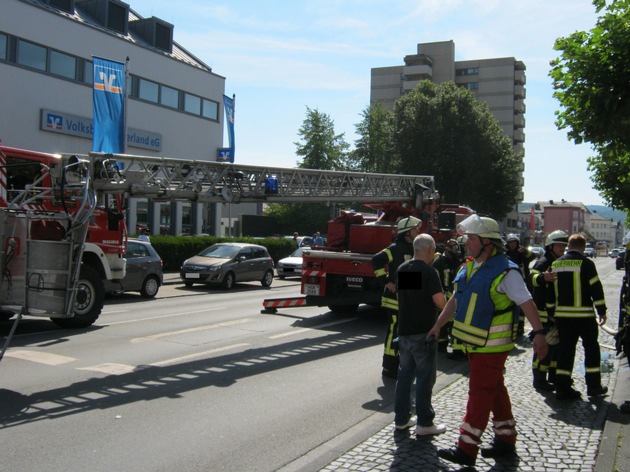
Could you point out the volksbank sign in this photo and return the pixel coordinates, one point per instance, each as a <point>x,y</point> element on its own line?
<point>64,123</point>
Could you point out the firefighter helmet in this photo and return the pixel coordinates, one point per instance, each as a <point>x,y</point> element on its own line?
<point>557,237</point>
<point>407,224</point>
<point>512,237</point>
<point>482,226</point>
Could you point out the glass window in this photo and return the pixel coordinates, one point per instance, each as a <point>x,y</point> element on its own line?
<point>31,55</point>
<point>169,97</point>
<point>62,64</point>
<point>210,109</point>
<point>88,72</point>
<point>148,90</point>
<point>192,104</point>
<point>3,46</point>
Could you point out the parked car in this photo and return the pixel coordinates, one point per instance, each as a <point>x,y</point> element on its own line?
<point>144,271</point>
<point>537,250</point>
<point>614,253</point>
<point>291,266</point>
<point>302,240</point>
<point>590,252</point>
<point>619,262</point>
<point>228,263</point>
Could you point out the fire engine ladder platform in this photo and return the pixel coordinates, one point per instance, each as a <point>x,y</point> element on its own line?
<point>218,182</point>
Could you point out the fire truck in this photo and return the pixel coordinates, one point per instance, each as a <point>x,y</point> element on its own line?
<point>62,226</point>
<point>340,275</point>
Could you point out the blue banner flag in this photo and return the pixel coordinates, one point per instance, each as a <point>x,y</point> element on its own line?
<point>228,104</point>
<point>109,106</point>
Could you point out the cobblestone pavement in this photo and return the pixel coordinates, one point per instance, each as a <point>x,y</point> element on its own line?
<point>553,435</point>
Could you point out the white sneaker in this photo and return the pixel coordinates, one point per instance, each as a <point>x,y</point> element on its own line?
<point>408,424</point>
<point>430,430</point>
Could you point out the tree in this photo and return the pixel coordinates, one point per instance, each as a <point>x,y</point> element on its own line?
<point>305,218</point>
<point>444,131</point>
<point>374,150</point>
<point>322,148</point>
<point>591,79</point>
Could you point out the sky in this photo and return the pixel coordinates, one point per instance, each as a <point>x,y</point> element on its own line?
<point>281,56</point>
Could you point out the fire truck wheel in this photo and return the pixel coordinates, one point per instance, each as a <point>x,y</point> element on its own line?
<point>150,287</point>
<point>345,309</point>
<point>267,279</point>
<point>89,300</point>
<point>228,281</point>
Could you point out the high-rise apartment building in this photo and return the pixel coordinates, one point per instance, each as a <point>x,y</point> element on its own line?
<point>499,82</point>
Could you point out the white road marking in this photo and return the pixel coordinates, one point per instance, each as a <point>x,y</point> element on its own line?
<point>40,357</point>
<point>148,318</point>
<point>197,354</point>
<point>305,330</point>
<point>191,330</point>
<point>110,368</point>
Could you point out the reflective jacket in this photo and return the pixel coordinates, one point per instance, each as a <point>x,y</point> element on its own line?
<point>577,291</point>
<point>484,318</point>
<point>385,264</point>
<point>538,284</point>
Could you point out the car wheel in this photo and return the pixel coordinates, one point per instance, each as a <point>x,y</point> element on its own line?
<point>281,277</point>
<point>150,287</point>
<point>344,309</point>
<point>188,284</point>
<point>267,279</point>
<point>228,281</point>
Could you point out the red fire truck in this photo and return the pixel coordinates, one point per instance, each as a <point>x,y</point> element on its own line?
<point>340,275</point>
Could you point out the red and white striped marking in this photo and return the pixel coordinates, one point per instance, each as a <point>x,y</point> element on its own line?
<point>284,302</point>
<point>313,273</point>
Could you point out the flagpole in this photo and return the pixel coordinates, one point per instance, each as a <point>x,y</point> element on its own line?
<point>125,104</point>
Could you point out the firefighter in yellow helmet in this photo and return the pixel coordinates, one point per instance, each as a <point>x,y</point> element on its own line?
<point>487,289</point>
<point>385,264</point>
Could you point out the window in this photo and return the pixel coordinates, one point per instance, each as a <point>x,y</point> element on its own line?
<point>88,72</point>
<point>31,55</point>
<point>210,109</point>
<point>467,71</point>
<point>3,46</point>
<point>63,64</point>
<point>192,104</point>
<point>169,97</point>
<point>148,90</point>
<point>472,85</point>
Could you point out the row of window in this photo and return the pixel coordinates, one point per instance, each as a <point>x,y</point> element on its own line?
<point>467,71</point>
<point>34,56</point>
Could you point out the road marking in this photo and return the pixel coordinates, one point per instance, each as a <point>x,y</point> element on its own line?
<point>191,330</point>
<point>111,368</point>
<point>197,354</point>
<point>305,330</point>
<point>148,318</point>
<point>40,357</point>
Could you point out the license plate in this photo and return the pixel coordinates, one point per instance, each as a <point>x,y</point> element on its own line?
<point>192,276</point>
<point>311,290</point>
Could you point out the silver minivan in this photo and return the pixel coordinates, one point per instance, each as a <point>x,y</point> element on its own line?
<point>228,263</point>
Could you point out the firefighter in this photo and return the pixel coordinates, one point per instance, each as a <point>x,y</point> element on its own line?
<point>522,257</point>
<point>544,370</point>
<point>385,264</point>
<point>487,289</point>
<point>447,264</point>
<point>574,299</point>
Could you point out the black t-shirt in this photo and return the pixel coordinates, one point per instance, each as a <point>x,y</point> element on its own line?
<point>416,283</point>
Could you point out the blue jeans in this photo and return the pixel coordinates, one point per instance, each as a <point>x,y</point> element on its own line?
<point>417,360</point>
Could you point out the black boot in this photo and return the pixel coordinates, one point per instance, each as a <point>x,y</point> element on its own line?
<point>499,449</point>
<point>540,382</point>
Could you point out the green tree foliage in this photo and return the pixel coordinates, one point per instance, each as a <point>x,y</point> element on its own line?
<point>591,78</point>
<point>305,218</point>
<point>374,150</point>
<point>321,148</point>
<point>445,131</point>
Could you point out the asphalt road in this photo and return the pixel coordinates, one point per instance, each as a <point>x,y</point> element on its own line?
<point>197,380</point>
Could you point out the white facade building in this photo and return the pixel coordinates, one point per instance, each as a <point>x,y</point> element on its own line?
<point>174,104</point>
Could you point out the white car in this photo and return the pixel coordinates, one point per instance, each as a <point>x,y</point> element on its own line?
<point>291,266</point>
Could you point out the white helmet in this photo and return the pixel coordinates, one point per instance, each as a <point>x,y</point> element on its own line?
<point>480,225</point>
<point>557,237</point>
<point>512,237</point>
<point>407,224</point>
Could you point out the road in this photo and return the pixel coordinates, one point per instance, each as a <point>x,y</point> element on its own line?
<point>195,380</point>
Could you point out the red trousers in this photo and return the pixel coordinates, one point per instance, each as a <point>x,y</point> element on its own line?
<point>486,394</point>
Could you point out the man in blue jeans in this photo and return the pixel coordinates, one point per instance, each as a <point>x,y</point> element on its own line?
<point>420,297</point>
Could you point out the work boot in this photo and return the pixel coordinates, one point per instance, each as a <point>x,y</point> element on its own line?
<point>456,455</point>
<point>597,391</point>
<point>540,382</point>
<point>568,394</point>
<point>499,449</point>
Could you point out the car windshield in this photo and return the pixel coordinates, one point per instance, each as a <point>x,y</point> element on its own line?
<point>220,252</point>
<point>298,252</point>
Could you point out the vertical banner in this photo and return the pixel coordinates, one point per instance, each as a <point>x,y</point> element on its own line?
<point>109,106</point>
<point>228,105</point>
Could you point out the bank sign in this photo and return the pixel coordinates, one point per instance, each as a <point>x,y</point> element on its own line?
<point>73,125</point>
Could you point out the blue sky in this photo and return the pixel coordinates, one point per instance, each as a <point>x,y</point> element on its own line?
<point>281,56</point>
